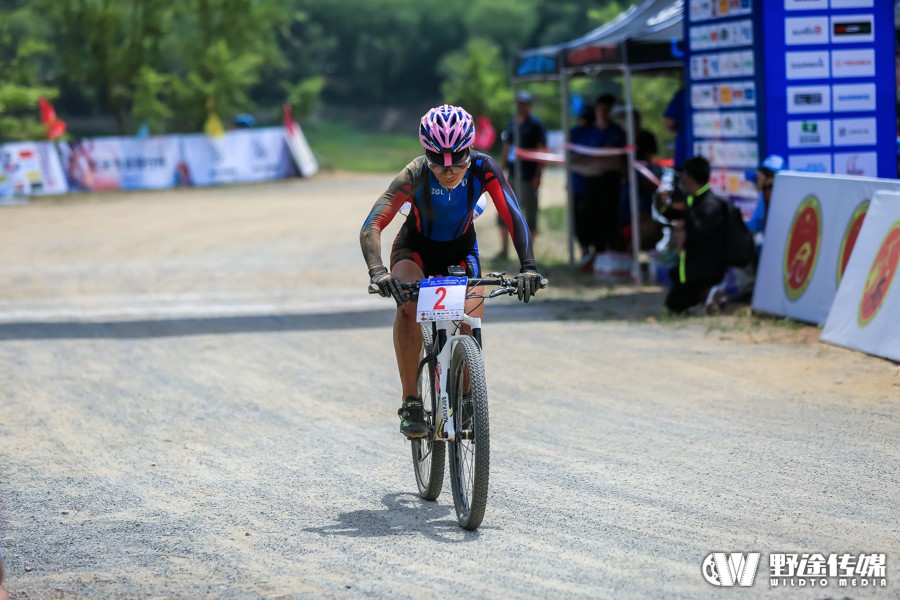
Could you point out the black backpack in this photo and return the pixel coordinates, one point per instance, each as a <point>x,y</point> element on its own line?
<point>739,245</point>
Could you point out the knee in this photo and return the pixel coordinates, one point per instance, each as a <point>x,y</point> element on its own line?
<point>406,314</point>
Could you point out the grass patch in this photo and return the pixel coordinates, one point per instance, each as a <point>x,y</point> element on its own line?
<point>341,146</point>
<point>554,218</point>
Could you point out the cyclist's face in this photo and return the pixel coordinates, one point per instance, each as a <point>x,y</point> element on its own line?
<point>452,175</point>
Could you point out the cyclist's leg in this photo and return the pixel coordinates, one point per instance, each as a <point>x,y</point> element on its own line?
<point>407,332</point>
<point>472,265</point>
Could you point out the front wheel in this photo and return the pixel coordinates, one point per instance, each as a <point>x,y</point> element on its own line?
<point>429,456</point>
<point>470,452</point>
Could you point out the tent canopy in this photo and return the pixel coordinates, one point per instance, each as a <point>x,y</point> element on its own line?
<point>646,36</point>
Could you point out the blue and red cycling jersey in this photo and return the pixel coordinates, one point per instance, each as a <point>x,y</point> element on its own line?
<point>439,215</point>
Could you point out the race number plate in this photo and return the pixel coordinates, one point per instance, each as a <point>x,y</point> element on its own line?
<point>441,299</point>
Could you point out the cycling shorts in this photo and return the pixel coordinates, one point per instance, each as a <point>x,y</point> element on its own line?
<point>434,257</point>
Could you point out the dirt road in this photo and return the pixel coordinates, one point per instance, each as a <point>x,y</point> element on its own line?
<point>198,400</point>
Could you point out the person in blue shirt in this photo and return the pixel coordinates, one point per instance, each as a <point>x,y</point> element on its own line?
<point>765,181</point>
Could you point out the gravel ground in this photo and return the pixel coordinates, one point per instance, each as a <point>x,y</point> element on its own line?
<point>198,401</point>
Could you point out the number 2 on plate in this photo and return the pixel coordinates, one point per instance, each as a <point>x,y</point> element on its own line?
<point>442,291</point>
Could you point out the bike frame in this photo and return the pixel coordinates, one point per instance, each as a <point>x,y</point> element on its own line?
<point>448,335</point>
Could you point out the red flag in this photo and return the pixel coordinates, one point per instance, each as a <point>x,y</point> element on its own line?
<point>485,134</point>
<point>55,126</point>
<point>288,117</point>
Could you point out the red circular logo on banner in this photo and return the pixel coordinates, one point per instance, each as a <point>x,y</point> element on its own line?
<point>802,249</point>
<point>881,275</point>
<point>850,235</point>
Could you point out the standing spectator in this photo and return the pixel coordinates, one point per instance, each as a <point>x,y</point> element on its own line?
<point>700,229</point>
<point>531,137</point>
<point>674,121</point>
<point>584,189</point>
<point>645,149</point>
<point>608,134</point>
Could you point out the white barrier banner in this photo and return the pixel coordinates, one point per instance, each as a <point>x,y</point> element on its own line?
<point>865,315</point>
<point>120,163</point>
<point>30,169</point>
<point>304,159</point>
<point>812,223</point>
<point>241,156</point>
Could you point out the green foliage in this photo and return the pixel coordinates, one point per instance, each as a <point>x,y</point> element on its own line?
<point>508,22</point>
<point>165,63</point>
<point>149,106</point>
<point>304,95</point>
<point>476,78</point>
<point>24,53</point>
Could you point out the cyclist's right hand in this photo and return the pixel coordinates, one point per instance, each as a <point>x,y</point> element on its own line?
<point>388,285</point>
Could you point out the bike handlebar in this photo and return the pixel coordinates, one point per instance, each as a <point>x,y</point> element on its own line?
<point>503,285</point>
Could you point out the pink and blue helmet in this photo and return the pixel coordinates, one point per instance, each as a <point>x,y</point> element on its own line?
<point>445,131</point>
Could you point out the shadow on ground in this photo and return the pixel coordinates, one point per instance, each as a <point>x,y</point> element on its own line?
<point>403,514</point>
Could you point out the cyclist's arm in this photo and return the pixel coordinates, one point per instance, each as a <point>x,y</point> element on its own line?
<point>400,191</point>
<point>507,206</point>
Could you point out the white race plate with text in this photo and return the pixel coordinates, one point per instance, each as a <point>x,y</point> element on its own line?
<point>441,299</point>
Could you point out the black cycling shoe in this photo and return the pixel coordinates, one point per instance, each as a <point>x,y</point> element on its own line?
<point>412,418</point>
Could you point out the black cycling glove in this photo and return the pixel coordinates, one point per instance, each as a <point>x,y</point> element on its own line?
<point>527,283</point>
<point>388,285</point>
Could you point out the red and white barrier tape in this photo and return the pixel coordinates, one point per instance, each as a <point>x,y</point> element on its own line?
<point>558,159</point>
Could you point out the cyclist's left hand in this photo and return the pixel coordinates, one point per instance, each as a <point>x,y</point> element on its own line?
<point>527,283</point>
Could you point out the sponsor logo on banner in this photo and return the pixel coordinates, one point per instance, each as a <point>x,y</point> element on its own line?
<point>806,30</point>
<point>807,65</point>
<point>881,276</point>
<point>808,99</point>
<point>849,240</point>
<point>809,134</point>
<point>810,163</point>
<point>852,3</point>
<point>858,164</point>
<point>805,4</point>
<point>801,251</point>
<point>857,97</point>
<point>715,95</point>
<point>853,63</point>
<point>854,132</point>
<point>538,63</point>
<point>852,29</point>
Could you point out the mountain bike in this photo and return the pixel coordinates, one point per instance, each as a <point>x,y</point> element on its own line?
<point>452,386</point>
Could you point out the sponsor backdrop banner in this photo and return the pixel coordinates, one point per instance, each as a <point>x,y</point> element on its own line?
<point>30,169</point>
<point>241,156</point>
<point>120,163</point>
<point>813,224</point>
<point>830,85</point>
<point>866,311</point>
<point>721,73</point>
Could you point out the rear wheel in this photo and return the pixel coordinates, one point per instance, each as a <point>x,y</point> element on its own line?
<point>470,451</point>
<point>428,455</point>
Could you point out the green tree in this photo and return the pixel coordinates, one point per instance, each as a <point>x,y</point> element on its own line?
<point>25,57</point>
<point>476,78</point>
<point>103,44</point>
<point>149,105</point>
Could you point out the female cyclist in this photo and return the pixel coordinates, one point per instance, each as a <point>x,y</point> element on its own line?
<point>443,187</point>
